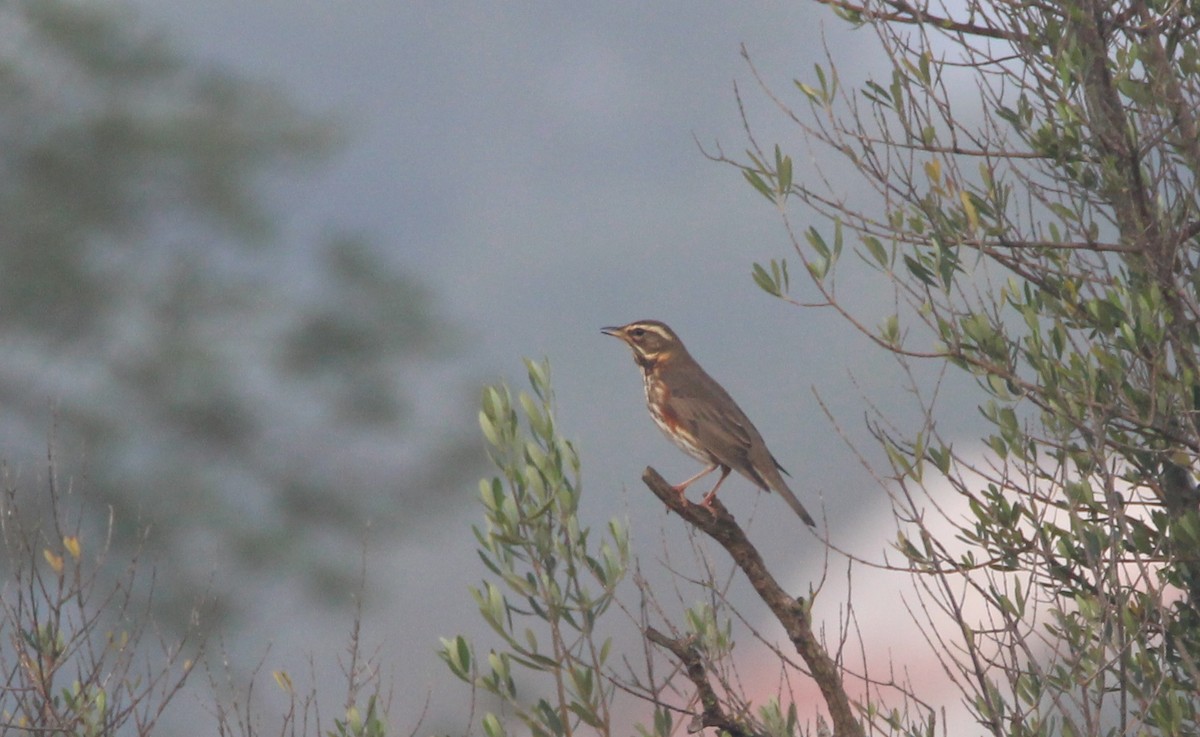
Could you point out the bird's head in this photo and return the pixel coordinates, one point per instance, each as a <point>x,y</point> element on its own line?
<point>650,340</point>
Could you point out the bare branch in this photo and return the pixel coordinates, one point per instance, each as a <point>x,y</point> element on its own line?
<point>907,14</point>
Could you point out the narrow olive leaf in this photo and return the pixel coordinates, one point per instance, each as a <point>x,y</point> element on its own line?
<point>890,331</point>
<point>1067,214</point>
<point>283,680</point>
<point>663,721</point>
<point>783,173</point>
<point>969,209</point>
<point>821,80</point>
<point>875,248</point>
<point>810,92</point>
<point>898,95</point>
<point>586,715</point>
<point>877,94</point>
<point>757,182</point>
<point>933,170</point>
<point>537,421</point>
<point>813,236</point>
<point>539,376</point>
<point>917,269</point>
<point>462,651</point>
<point>764,280</point>
<point>489,430</point>
<point>492,727</point>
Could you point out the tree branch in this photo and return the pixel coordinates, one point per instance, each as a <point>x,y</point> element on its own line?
<point>712,715</point>
<point>792,613</point>
<point>902,12</point>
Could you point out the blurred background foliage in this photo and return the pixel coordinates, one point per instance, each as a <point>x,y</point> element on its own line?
<point>239,396</point>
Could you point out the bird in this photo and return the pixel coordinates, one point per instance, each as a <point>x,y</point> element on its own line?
<point>699,416</point>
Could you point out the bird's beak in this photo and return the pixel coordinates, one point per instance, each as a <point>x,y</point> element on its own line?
<point>614,332</point>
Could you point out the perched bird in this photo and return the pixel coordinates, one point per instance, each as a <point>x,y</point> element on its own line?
<point>699,416</point>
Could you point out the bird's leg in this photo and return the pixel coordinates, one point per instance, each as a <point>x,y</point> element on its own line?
<point>682,487</point>
<point>706,502</point>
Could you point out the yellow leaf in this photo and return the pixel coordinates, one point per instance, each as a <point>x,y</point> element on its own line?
<point>933,170</point>
<point>54,559</point>
<point>283,679</point>
<point>969,208</point>
<point>71,543</point>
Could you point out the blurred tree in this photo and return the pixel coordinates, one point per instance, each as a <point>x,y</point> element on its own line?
<point>242,397</point>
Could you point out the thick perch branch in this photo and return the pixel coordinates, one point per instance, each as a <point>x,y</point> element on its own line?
<point>791,612</point>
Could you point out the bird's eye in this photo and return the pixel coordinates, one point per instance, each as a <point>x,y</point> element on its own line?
<point>637,332</point>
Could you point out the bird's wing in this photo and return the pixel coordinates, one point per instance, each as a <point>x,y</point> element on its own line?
<point>726,433</point>
<point>722,428</point>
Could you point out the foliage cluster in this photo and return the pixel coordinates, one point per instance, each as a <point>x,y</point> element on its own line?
<point>81,654</point>
<point>552,583</point>
<point>1040,235</point>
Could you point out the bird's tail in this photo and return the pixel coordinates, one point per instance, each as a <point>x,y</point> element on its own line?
<point>794,503</point>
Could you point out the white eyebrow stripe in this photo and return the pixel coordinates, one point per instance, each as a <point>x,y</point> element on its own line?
<point>656,329</point>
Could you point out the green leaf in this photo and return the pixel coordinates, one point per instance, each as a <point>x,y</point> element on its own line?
<point>757,182</point>
<point>890,332</point>
<point>918,270</point>
<point>926,57</point>
<point>810,92</point>
<point>814,238</point>
<point>877,94</point>
<point>489,429</point>
<point>783,174</point>
<point>492,726</point>
<point>875,248</point>
<point>764,280</point>
<point>586,714</point>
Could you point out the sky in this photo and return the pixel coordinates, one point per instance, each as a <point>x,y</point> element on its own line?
<point>540,167</point>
